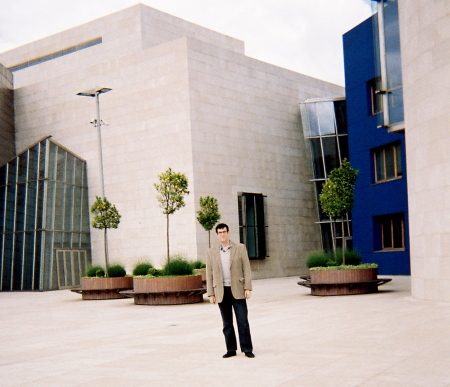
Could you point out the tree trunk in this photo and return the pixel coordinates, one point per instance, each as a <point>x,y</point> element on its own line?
<point>167,237</point>
<point>334,238</point>
<point>106,253</point>
<point>344,244</point>
<point>209,238</point>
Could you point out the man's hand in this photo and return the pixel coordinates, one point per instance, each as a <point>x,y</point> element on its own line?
<point>248,293</point>
<point>212,299</point>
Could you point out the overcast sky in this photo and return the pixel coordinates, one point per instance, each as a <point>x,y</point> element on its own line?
<point>301,35</point>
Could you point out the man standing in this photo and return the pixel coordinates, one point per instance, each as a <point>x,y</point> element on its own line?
<point>229,283</point>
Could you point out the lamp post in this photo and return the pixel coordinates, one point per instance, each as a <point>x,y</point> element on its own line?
<point>98,123</point>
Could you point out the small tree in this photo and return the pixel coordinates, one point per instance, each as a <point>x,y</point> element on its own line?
<point>337,195</point>
<point>208,215</point>
<point>106,216</point>
<point>172,189</point>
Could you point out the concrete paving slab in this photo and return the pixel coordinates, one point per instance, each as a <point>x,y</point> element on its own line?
<point>382,339</point>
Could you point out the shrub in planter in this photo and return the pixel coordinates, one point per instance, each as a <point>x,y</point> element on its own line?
<point>142,268</point>
<point>155,272</point>
<point>172,285</point>
<point>95,271</point>
<point>317,259</point>
<point>99,287</point>
<point>198,265</point>
<point>178,266</point>
<point>117,270</point>
<point>352,258</point>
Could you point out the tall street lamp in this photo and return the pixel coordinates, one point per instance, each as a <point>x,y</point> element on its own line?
<point>98,123</point>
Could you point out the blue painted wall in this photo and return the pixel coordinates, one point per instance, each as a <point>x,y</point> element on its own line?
<point>371,199</point>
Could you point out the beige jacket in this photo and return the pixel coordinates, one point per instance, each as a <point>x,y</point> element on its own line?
<point>241,276</point>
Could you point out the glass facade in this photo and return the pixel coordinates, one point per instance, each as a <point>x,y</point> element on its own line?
<point>44,219</point>
<point>389,65</point>
<point>325,125</point>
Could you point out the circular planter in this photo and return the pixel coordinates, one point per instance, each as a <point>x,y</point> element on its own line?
<point>105,288</point>
<point>343,282</point>
<point>343,276</point>
<point>203,273</point>
<point>167,290</point>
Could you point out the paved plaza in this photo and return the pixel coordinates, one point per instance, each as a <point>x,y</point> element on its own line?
<point>384,339</point>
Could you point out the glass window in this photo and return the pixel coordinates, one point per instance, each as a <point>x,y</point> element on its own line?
<point>42,147</point>
<point>33,163</point>
<point>326,118</point>
<point>376,98</point>
<point>340,108</point>
<point>316,149</point>
<point>70,170</point>
<point>343,147</point>
<point>61,165</point>
<point>395,101</point>
<point>52,161</point>
<point>312,120</point>
<point>330,153</point>
<point>3,174</point>
<point>23,167</point>
<point>12,170</point>
<point>20,207</point>
<point>31,205</point>
<point>391,230</point>
<point>387,162</point>
<point>252,228</point>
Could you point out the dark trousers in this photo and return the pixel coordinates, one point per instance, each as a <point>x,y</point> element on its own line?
<point>240,310</point>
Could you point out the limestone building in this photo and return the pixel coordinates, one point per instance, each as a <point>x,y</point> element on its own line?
<point>183,97</point>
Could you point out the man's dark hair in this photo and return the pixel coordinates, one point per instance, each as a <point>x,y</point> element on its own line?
<point>221,226</point>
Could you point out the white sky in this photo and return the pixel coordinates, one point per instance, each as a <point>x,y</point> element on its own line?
<point>301,35</point>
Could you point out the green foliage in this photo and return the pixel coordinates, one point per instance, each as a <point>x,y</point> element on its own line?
<point>208,215</point>
<point>95,271</point>
<point>337,195</point>
<point>352,257</point>
<point>332,258</point>
<point>172,189</point>
<point>317,258</point>
<point>155,272</point>
<point>117,270</point>
<point>198,265</point>
<point>177,266</point>
<point>142,268</point>
<point>348,267</point>
<point>106,214</point>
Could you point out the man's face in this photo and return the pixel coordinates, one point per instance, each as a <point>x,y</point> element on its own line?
<point>222,234</point>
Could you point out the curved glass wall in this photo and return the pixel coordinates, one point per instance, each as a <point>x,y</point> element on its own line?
<point>44,219</point>
<point>325,125</point>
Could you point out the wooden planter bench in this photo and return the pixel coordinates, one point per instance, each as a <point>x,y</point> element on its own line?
<point>175,297</point>
<point>343,282</point>
<point>166,290</point>
<point>103,288</point>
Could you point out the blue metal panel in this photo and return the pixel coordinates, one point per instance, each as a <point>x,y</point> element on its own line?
<point>371,200</point>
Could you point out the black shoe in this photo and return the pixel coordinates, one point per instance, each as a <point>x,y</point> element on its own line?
<point>250,355</point>
<point>229,354</point>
